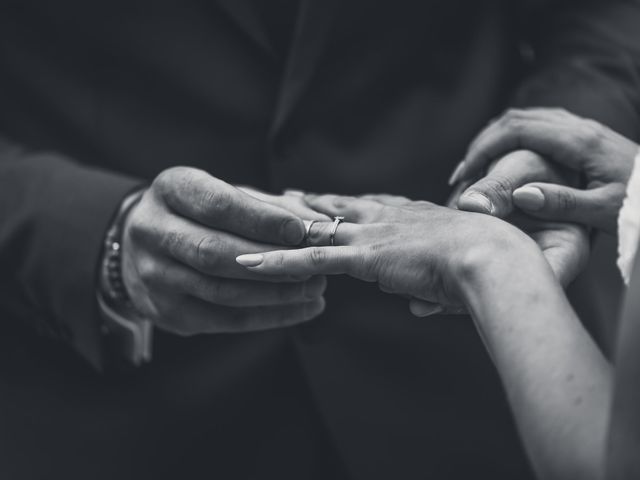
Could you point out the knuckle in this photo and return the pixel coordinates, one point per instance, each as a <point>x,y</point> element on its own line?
<point>566,201</point>
<point>372,212</point>
<point>512,118</point>
<point>341,202</point>
<point>368,261</point>
<point>560,111</point>
<point>139,225</point>
<point>147,271</point>
<point>498,187</point>
<point>172,242</point>
<point>512,113</point>
<point>317,256</point>
<point>591,135</point>
<point>165,181</point>
<point>205,252</point>
<point>221,201</point>
<point>137,229</point>
<point>277,260</point>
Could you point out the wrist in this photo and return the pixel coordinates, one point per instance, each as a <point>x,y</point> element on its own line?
<point>126,332</point>
<point>111,282</point>
<point>492,265</point>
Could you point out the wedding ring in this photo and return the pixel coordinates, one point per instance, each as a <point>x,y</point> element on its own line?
<point>307,230</point>
<point>334,228</point>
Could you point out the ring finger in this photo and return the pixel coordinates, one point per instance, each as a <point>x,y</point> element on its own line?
<point>321,233</point>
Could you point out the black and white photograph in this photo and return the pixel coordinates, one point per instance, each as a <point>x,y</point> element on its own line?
<point>319,240</point>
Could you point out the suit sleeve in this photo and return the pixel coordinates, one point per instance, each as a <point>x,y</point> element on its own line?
<point>54,214</point>
<point>586,58</point>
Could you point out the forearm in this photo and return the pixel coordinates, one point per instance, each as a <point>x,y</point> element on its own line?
<point>557,381</point>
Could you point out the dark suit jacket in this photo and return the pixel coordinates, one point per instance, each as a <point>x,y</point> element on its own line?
<point>98,97</point>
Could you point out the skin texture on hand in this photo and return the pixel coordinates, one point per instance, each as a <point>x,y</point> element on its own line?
<point>565,245</point>
<point>416,249</point>
<point>601,155</point>
<point>557,381</point>
<point>178,248</point>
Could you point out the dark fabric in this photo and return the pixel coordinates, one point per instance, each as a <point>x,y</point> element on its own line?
<point>278,17</point>
<point>372,96</point>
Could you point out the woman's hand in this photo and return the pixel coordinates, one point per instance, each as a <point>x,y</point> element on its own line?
<point>604,157</point>
<point>411,248</point>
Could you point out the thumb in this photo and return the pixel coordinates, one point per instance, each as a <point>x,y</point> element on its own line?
<point>492,194</point>
<point>596,207</point>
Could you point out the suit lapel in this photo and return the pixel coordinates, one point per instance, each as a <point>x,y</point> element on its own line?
<point>310,37</point>
<point>249,21</point>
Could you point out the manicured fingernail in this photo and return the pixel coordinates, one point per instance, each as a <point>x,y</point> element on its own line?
<point>250,260</point>
<point>420,309</point>
<point>456,173</point>
<point>529,198</point>
<point>293,232</point>
<point>479,202</point>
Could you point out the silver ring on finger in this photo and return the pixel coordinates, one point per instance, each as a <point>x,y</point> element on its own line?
<point>334,228</point>
<point>307,230</point>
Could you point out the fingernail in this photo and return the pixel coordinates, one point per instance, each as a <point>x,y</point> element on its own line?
<point>456,173</point>
<point>480,202</point>
<point>250,260</point>
<point>529,198</point>
<point>420,309</point>
<point>293,232</point>
<point>294,193</point>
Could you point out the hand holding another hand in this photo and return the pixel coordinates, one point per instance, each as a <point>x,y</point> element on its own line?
<point>565,245</point>
<point>416,249</point>
<point>179,246</point>
<point>584,146</point>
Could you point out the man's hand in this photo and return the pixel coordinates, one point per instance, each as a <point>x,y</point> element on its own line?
<point>179,246</point>
<point>565,245</point>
